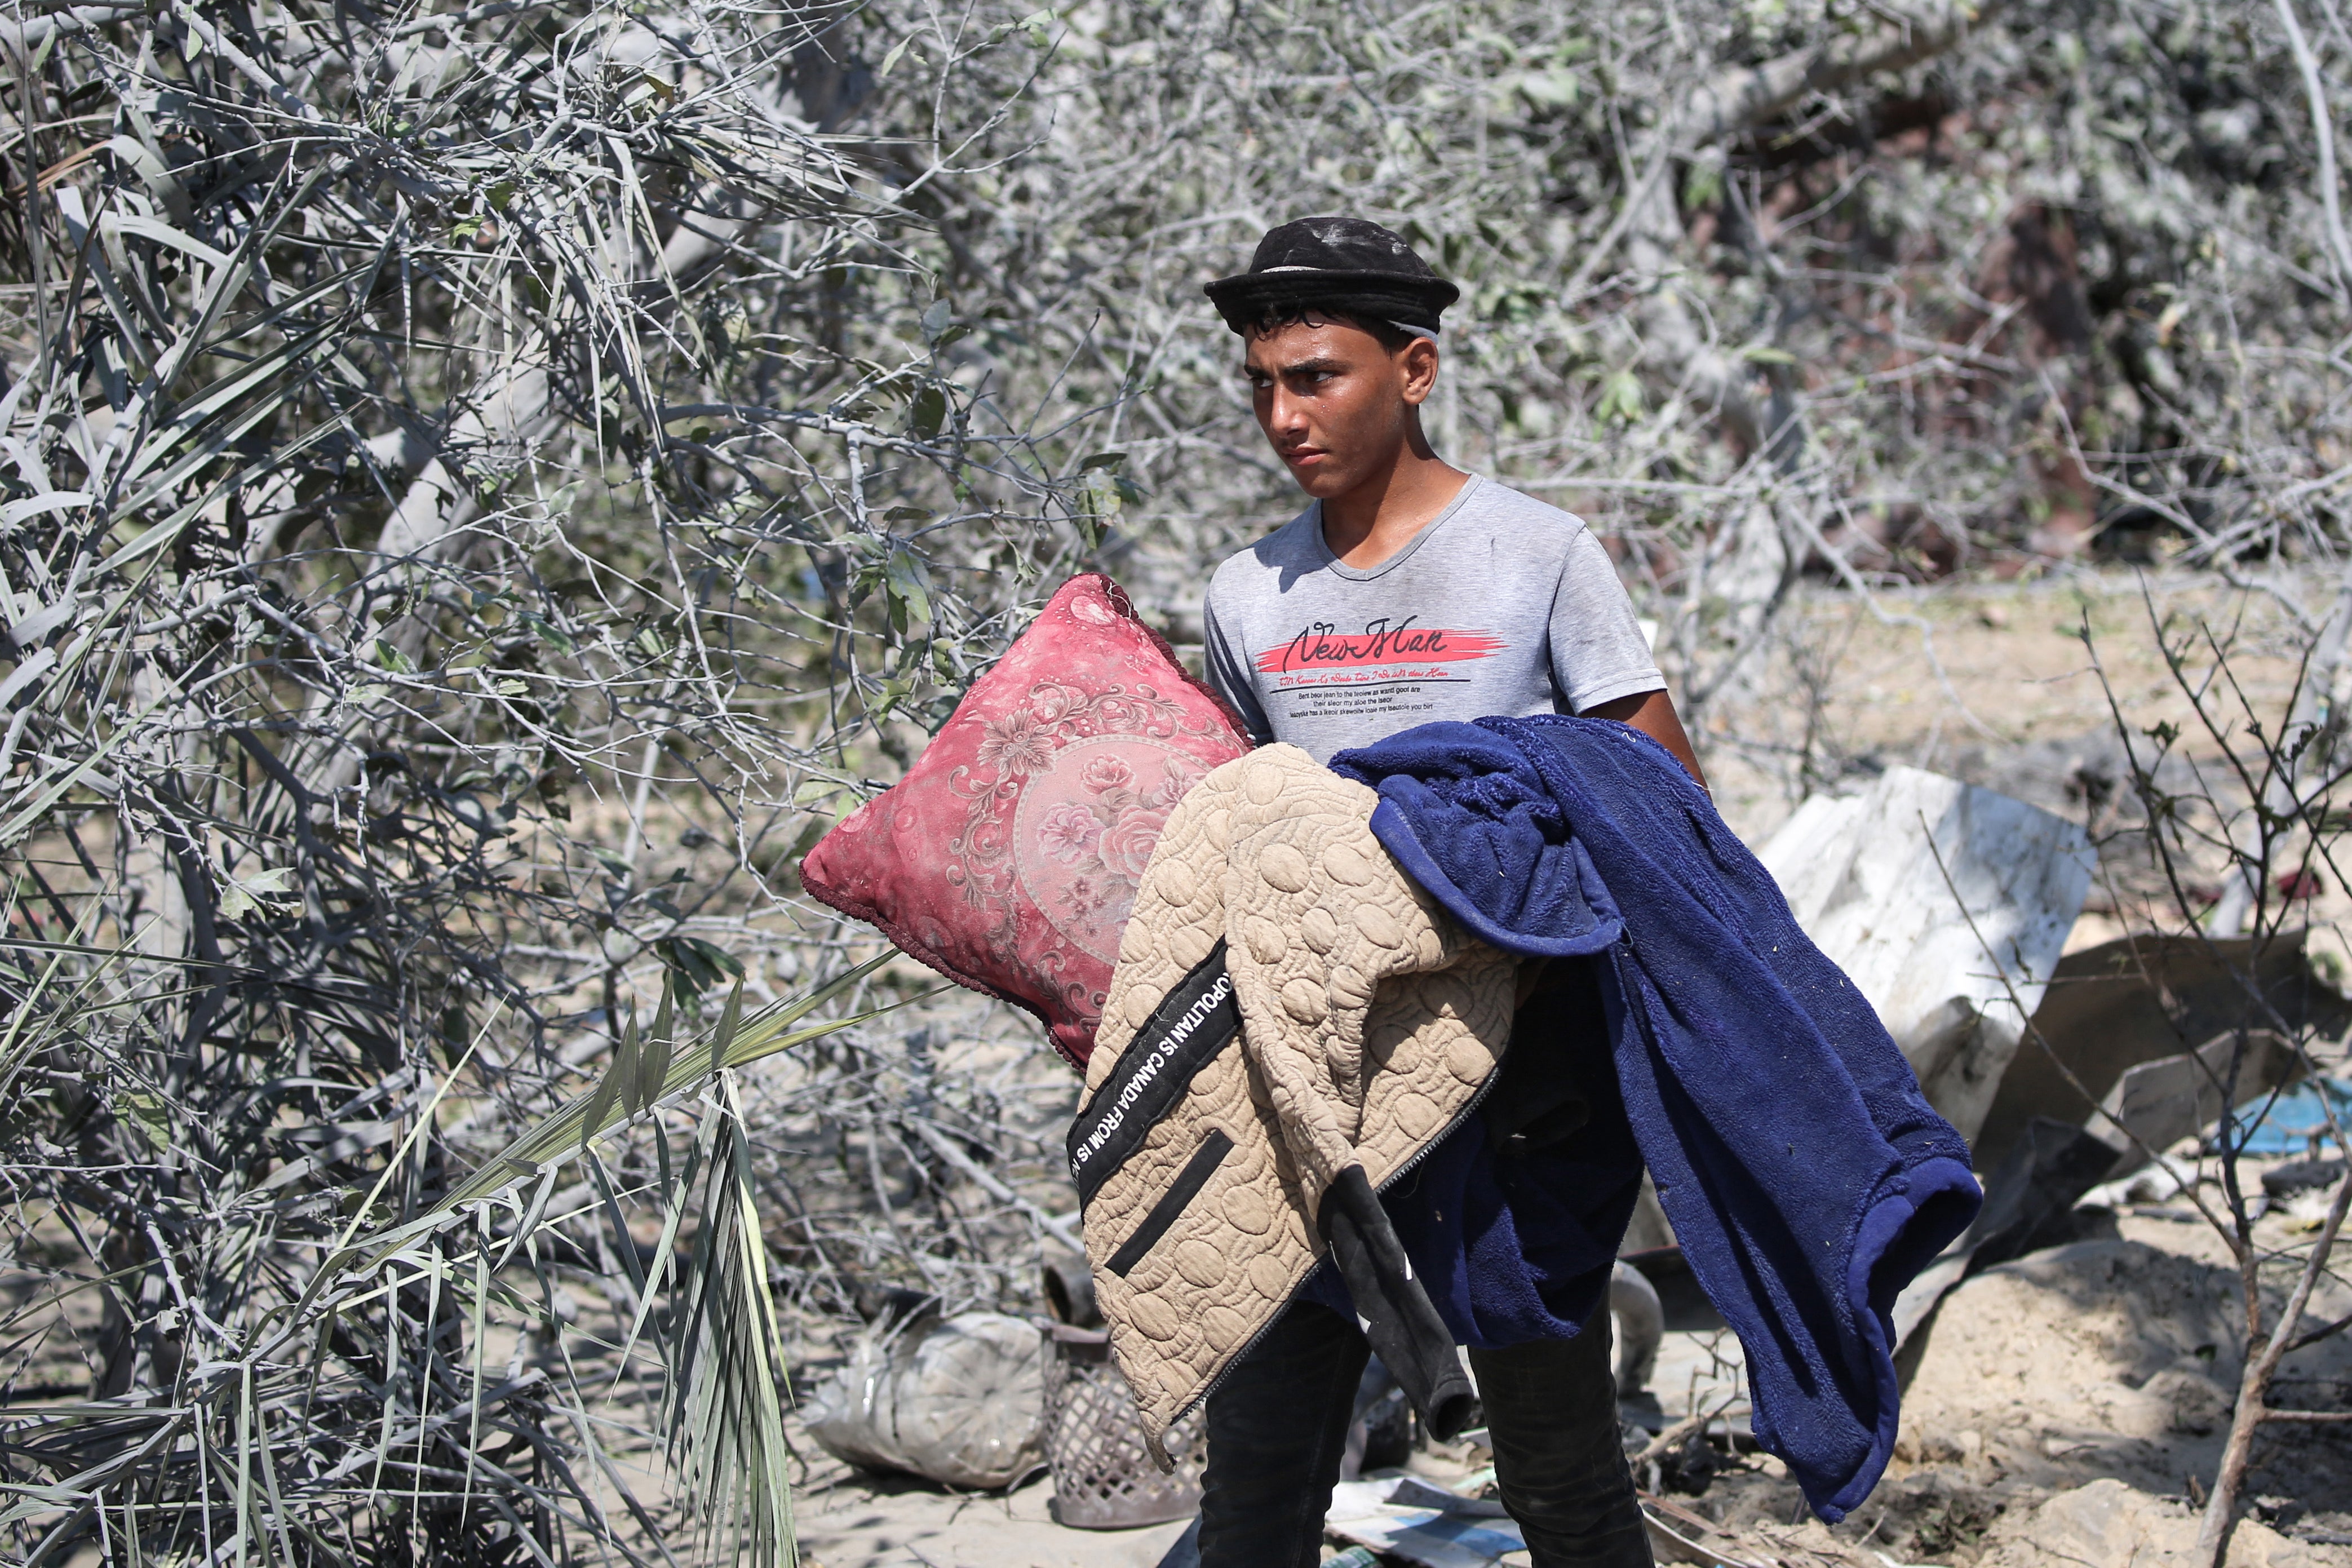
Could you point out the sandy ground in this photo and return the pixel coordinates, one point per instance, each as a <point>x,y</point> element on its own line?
<point>1924,676</point>
<point>850,1519</point>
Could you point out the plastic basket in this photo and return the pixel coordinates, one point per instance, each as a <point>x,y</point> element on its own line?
<point>1103,1477</point>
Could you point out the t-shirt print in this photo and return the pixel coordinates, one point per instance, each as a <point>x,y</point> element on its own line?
<point>1388,669</point>
<point>1500,604</point>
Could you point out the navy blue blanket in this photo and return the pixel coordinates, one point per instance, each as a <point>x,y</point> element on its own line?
<point>1807,1178</point>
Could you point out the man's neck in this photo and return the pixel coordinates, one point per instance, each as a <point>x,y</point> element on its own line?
<point>1381,516</point>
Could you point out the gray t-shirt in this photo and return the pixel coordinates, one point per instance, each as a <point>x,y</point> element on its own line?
<point>1501,605</point>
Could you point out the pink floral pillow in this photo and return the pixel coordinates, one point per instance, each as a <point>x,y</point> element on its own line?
<point>1008,857</point>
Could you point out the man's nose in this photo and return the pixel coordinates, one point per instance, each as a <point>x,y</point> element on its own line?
<point>1285,415</point>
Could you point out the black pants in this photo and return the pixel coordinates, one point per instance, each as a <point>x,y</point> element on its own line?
<point>1277,1425</point>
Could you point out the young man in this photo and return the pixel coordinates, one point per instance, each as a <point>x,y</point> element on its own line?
<point>1407,592</point>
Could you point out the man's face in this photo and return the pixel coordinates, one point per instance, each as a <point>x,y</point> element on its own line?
<point>1334,405</point>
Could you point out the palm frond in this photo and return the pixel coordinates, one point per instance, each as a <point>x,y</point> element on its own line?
<point>723,1413</point>
<point>649,1073</point>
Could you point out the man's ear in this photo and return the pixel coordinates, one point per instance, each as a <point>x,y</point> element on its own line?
<point>1419,361</point>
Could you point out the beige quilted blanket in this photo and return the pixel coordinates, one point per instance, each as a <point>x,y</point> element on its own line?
<point>1369,1024</point>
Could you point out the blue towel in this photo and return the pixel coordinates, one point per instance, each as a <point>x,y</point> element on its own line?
<point>1807,1178</point>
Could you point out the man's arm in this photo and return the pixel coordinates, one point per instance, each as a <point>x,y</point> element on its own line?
<point>1653,714</point>
<point>1228,673</point>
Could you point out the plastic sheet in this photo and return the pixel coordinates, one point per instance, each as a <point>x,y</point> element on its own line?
<point>957,1400</point>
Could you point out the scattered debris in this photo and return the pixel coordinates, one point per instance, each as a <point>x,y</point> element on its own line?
<point>2165,1100</point>
<point>2052,1362</point>
<point>1680,1534</point>
<point>2073,776</point>
<point>1406,1517</point>
<point>1104,1475</point>
<point>1681,1458</point>
<point>1872,879</point>
<point>2035,1189</point>
<point>1379,1430</point>
<point>2303,1176</point>
<point>2296,1122</point>
<point>1640,1321</point>
<point>2109,1009</point>
<point>957,1400</point>
<point>1698,1368</point>
<point>1069,1284</point>
<point>2165,1179</point>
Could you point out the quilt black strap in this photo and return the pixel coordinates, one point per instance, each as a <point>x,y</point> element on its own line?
<point>1196,1020</point>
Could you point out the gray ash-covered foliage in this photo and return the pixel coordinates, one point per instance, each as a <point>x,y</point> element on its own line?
<point>2057,279</point>
<point>481,489</point>
<point>466,478</point>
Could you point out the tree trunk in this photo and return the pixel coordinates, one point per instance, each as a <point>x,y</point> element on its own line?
<point>2264,1353</point>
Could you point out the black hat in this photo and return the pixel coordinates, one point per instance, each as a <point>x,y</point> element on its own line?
<point>1346,264</point>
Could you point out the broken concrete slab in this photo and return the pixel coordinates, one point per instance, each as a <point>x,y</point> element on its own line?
<point>2046,1173</point>
<point>2110,1007</point>
<point>1873,879</point>
<point>2163,1101</point>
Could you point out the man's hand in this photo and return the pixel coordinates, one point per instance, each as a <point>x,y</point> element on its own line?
<point>1653,714</point>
